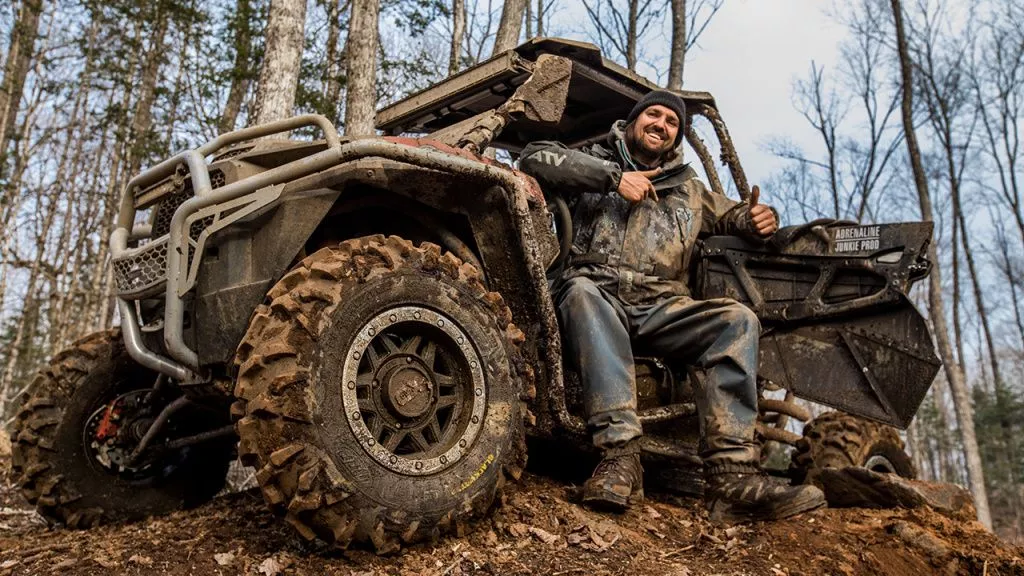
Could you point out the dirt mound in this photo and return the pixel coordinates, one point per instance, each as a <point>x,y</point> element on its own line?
<point>539,529</point>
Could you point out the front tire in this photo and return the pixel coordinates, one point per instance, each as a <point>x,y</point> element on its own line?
<point>381,394</point>
<point>71,436</point>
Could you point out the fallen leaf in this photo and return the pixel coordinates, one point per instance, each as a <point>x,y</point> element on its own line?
<point>224,558</point>
<point>271,567</point>
<point>519,529</point>
<point>8,564</point>
<point>652,512</point>
<point>105,561</point>
<point>140,560</point>
<point>543,535</point>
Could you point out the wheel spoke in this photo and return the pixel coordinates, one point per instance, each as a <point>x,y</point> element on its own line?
<point>396,438</point>
<point>365,379</point>
<point>366,405</point>
<point>446,401</point>
<point>435,428</point>
<point>419,440</point>
<point>390,344</point>
<point>373,357</point>
<point>443,380</point>
<point>428,354</point>
<point>412,344</point>
<point>376,426</point>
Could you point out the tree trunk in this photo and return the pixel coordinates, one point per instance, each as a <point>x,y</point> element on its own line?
<point>139,138</point>
<point>634,13</point>
<point>241,72</point>
<point>541,10</point>
<point>282,61</point>
<point>528,19</point>
<point>16,67</point>
<point>333,59</point>
<point>961,397</point>
<point>677,57</point>
<point>958,335</point>
<point>361,100</point>
<point>511,22</point>
<point>458,31</point>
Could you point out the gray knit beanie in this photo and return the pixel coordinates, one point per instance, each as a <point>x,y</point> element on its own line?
<point>666,99</point>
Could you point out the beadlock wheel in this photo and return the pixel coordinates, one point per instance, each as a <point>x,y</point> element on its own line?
<point>414,390</point>
<point>381,394</point>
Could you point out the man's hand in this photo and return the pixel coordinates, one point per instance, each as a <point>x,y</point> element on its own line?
<point>635,186</point>
<point>761,216</point>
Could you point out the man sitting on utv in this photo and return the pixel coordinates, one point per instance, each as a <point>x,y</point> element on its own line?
<point>637,212</point>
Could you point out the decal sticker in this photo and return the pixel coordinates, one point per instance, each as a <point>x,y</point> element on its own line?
<point>856,239</point>
<point>476,475</point>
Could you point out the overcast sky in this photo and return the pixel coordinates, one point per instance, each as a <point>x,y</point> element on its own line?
<point>747,58</point>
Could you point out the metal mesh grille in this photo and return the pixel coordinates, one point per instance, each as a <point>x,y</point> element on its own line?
<point>165,210</point>
<point>142,271</point>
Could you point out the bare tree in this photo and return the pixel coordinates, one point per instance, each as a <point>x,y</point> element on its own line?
<point>958,385</point>
<point>619,29</point>
<point>16,67</point>
<point>282,58</point>
<point>361,98</point>
<point>458,31</point>
<point>689,20</point>
<point>241,71</point>
<point>507,36</point>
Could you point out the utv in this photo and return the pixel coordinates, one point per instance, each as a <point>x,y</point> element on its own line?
<point>369,323</point>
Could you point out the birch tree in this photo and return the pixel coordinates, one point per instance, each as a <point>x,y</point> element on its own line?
<point>282,61</point>
<point>507,36</point>
<point>937,312</point>
<point>361,99</point>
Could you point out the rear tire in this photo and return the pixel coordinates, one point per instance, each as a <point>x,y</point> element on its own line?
<point>381,394</point>
<point>838,440</point>
<point>73,481</point>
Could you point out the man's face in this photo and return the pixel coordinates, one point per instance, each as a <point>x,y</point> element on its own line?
<point>654,130</point>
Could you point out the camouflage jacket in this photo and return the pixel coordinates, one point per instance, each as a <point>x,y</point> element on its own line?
<point>641,252</point>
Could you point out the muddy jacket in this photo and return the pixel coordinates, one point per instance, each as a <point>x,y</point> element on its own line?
<point>641,252</point>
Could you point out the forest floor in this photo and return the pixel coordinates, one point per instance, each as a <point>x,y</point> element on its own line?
<point>540,528</point>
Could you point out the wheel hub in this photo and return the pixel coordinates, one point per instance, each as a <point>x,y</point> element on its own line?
<point>413,390</point>
<point>409,388</point>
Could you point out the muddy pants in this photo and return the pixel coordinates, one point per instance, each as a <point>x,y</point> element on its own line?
<point>718,336</point>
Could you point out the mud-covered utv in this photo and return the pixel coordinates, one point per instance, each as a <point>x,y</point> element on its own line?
<point>369,321</point>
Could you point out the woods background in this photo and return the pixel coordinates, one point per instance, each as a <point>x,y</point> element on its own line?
<point>918,119</point>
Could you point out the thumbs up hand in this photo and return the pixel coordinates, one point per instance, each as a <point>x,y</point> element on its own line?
<point>635,186</point>
<point>762,217</point>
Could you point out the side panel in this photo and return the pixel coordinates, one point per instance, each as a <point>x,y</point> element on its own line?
<point>244,262</point>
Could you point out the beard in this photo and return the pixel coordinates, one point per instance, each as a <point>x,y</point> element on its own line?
<point>646,150</point>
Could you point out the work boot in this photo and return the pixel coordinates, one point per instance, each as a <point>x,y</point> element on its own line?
<point>753,497</point>
<point>617,482</point>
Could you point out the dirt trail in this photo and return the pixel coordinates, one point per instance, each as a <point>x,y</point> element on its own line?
<point>540,529</point>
